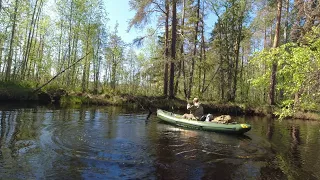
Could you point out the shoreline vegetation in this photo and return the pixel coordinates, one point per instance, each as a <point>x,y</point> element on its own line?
<point>11,92</point>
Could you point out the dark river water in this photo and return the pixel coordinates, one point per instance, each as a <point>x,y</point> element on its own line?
<point>116,143</point>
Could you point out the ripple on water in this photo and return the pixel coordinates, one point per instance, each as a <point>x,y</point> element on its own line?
<point>86,142</point>
<point>25,146</point>
<point>96,151</point>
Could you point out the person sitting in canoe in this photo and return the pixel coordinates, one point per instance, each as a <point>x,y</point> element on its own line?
<point>196,110</point>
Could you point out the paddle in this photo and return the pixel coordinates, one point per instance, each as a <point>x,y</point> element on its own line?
<point>138,101</point>
<point>188,102</point>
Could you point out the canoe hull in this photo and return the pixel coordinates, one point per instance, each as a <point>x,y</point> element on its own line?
<point>201,125</point>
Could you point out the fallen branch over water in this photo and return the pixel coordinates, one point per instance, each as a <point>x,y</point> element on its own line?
<point>60,73</point>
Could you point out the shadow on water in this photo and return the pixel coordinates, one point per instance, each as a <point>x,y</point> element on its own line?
<point>116,143</point>
<point>208,155</point>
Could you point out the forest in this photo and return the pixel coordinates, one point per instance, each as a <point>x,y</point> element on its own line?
<point>263,52</point>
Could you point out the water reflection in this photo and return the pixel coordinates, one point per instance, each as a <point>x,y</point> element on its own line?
<point>115,143</point>
<point>289,160</point>
<point>295,152</point>
<point>194,154</point>
<point>270,129</point>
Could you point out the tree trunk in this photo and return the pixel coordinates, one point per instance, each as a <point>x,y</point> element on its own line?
<point>40,56</point>
<point>241,74</point>
<point>30,34</point>
<point>36,27</point>
<point>203,50</point>
<point>230,24</point>
<point>97,69</point>
<point>235,78</point>
<point>60,63</point>
<point>13,75</point>
<point>9,64</point>
<point>181,61</point>
<point>286,24</point>
<point>182,52</point>
<point>226,55</point>
<point>285,39</point>
<point>222,93</point>
<point>194,50</point>
<point>89,67</point>
<point>69,45</point>
<point>84,73</point>
<point>274,63</point>
<point>236,54</point>
<point>165,80</point>
<point>1,51</point>
<point>113,72</point>
<point>75,54</point>
<point>200,59</point>
<point>173,48</point>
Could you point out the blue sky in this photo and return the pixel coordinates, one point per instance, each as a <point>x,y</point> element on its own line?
<point>119,10</point>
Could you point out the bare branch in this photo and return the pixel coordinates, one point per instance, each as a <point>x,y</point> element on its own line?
<point>158,5</point>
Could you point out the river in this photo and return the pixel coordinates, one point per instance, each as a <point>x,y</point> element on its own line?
<point>47,142</point>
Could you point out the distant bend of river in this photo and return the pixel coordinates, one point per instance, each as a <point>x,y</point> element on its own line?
<point>116,143</point>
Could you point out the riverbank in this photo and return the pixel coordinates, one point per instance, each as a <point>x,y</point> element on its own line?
<point>152,103</point>
<point>16,92</point>
<point>13,92</point>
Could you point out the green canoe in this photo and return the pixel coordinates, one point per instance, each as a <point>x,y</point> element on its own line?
<point>202,125</point>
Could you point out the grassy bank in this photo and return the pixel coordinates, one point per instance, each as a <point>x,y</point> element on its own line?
<point>10,91</point>
<point>152,103</point>
<point>19,92</point>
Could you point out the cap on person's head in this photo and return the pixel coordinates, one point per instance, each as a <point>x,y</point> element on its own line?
<point>195,100</point>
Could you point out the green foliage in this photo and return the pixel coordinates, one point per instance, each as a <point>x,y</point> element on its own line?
<point>298,71</point>
<point>110,91</point>
<point>71,100</point>
<point>287,109</point>
<point>228,35</point>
